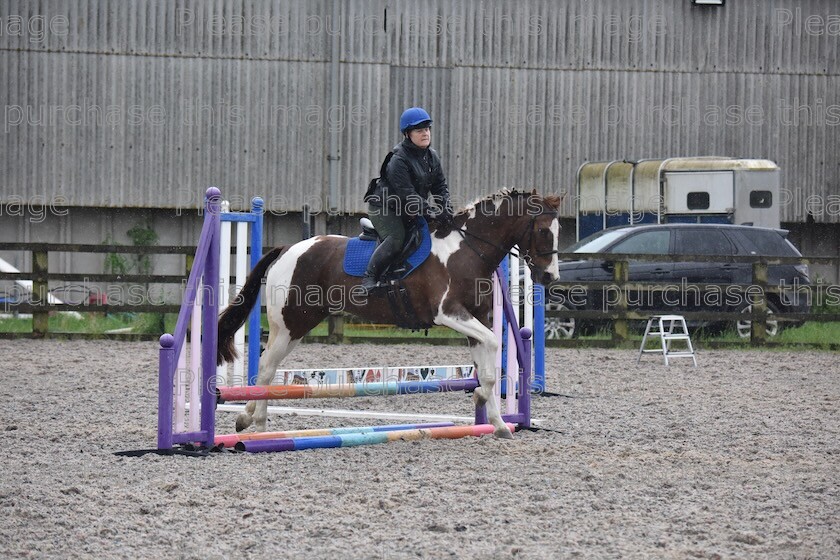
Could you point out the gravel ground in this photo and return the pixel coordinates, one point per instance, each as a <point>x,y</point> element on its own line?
<point>736,458</point>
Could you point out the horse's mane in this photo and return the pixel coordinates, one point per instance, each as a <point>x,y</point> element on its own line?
<point>552,200</point>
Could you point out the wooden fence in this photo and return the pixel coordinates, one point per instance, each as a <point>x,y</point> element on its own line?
<point>620,313</point>
<point>758,289</point>
<point>38,303</point>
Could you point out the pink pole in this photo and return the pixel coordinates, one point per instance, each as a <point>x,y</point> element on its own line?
<point>195,365</point>
<point>180,388</point>
<point>498,314</point>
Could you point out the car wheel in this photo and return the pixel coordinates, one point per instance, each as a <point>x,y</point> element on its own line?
<point>744,327</point>
<point>557,328</point>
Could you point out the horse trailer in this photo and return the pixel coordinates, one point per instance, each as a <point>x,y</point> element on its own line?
<point>684,190</point>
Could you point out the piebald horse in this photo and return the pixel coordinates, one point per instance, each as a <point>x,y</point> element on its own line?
<point>307,282</point>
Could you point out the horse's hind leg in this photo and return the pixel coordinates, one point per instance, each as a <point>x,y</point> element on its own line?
<point>278,348</point>
<point>483,346</point>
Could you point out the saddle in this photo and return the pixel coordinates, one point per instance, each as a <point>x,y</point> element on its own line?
<point>417,247</point>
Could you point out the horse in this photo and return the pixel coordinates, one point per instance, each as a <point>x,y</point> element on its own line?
<point>306,283</point>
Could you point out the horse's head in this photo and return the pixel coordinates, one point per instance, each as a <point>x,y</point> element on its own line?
<point>494,224</point>
<point>539,242</point>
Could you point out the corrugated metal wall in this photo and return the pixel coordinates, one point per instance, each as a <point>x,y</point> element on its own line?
<point>145,103</point>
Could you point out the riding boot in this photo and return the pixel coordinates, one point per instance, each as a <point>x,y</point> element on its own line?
<point>379,261</point>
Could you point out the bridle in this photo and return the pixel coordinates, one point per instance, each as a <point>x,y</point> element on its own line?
<point>528,230</point>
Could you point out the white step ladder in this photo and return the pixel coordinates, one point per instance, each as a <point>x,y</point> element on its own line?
<point>668,328</point>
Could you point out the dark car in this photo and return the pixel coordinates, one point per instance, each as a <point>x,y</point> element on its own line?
<point>679,277</point>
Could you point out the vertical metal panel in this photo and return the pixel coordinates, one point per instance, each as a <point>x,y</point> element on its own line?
<point>661,115</point>
<point>504,130</point>
<point>364,31</point>
<point>294,29</point>
<point>642,34</point>
<point>366,131</point>
<point>151,131</point>
<point>521,93</point>
<point>633,34</point>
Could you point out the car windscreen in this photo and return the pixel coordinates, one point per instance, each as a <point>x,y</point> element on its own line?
<point>596,242</point>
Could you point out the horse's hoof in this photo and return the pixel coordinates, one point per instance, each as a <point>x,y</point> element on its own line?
<point>242,422</point>
<point>503,433</point>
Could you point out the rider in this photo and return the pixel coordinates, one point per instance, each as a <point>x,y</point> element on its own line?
<point>401,194</point>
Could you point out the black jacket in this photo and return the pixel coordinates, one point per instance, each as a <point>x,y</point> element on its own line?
<point>410,176</point>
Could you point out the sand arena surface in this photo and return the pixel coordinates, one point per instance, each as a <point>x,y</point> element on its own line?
<point>739,457</point>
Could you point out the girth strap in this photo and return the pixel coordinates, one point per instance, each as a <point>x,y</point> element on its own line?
<point>404,314</point>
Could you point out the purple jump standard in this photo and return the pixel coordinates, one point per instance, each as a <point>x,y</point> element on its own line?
<point>205,270</point>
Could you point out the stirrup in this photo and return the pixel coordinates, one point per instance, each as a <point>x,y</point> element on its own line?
<point>370,288</point>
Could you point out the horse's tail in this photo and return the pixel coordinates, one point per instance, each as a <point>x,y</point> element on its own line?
<point>237,312</point>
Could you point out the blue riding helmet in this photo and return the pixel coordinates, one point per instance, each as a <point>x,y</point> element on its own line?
<point>413,117</point>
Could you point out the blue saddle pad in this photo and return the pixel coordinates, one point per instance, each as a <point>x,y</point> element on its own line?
<point>358,253</point>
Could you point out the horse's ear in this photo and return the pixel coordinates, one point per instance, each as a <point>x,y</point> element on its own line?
<point>534,191</point>
<point>554,200</point>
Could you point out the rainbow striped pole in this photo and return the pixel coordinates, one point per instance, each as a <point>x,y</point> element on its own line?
<point>232,439</point>
<point>277,392</point>
<point>363,438</point>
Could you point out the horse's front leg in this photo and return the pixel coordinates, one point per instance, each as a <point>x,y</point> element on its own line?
<point>483,346</point>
